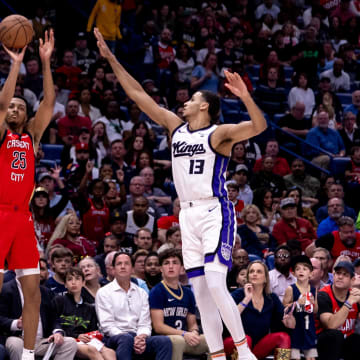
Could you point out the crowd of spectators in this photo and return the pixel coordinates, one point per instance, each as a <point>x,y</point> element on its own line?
<point>105,209</point>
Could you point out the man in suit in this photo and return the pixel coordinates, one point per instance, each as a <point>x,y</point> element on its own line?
<point>11,307</point>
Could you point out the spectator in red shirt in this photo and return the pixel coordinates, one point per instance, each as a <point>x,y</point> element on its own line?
<point>166,222</point>
<point>70,125</point>
<point>72,72</point>
<point>281,166</point>
<point>292,227</point>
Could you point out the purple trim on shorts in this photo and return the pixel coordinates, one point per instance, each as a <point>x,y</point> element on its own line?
<point>195,272</point>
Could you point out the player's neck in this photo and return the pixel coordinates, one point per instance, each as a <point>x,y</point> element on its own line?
<point>198,122</point>
<point>16,129</point>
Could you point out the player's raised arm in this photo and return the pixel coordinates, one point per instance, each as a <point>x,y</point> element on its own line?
<point>44,114</point>
<point>135,91</point>
<point>8,89</point>
<point>226,136</point>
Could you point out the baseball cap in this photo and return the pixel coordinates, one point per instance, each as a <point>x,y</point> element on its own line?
<point>147,81</point>
<point>348,266</point>
<point>40,190</point>
<point>303,259</point>
<point>82,146</point>
<point>241,167</point>
<point>44,175</point>
<point>117,215</point>
<point>81,36</point>
<point>287,202</point>
<point>84,129</point>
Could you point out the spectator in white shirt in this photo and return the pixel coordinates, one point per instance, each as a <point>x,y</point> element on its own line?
<point>339,79</point>
<point>280,277</point>
<point>303,94</point>
<point>124,316</point>
<point>267,8</point>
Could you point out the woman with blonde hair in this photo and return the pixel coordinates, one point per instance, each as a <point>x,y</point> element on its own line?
<point>256,239</point>
<point>260,312</point>
<point>67,233</point>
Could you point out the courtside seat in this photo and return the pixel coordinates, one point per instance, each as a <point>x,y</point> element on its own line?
<point>52,151</point>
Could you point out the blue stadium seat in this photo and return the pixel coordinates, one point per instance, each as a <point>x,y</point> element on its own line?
<point>230,106</point>
<point>288,72</point>
<point>277,117</point>
<point>232,117</point>
<point>253,70</point>
<point>50,164</point>
<point>338,166</point>
<point>345,99</point>
<point>125,110</point>
<point>52,152</point>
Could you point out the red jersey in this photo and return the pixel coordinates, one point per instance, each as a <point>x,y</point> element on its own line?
<point>239,206</point>
<point>17,164</point>
<point>340,249</point>
<point>96,223</point>
<point>348,327</point>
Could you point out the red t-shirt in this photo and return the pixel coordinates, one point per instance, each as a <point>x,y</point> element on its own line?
<point>85,247</point>
<point>166,222</point>
<point>69,126</point>
<point>281,166</point>
<point>304,232</point>
<point>17,164</point>
<point>72,74</point>
<point>239,206</point>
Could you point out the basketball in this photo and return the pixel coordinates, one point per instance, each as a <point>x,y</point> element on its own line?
<point>16,31</point>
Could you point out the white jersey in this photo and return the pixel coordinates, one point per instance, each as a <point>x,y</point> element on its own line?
<point>199,172</point>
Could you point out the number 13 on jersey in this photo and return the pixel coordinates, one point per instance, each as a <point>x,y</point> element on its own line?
<point>196,166</point>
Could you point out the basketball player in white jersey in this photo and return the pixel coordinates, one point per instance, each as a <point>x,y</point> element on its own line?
<point>200,154</point>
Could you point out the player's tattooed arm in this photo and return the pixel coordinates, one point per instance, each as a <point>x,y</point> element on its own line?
<point>8,89</point>
<point>135,91</point>
<point>44,114</point>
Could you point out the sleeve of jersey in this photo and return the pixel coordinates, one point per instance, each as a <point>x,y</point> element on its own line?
<point>156,298</point>
<point>324,303</point>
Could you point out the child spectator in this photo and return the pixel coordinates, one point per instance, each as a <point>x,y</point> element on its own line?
<point>78,319</point>
<point>303,296</point>
<point>233,193</point>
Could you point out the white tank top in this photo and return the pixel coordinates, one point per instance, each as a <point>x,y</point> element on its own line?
<point>131,227</point>
<point>199,172</point>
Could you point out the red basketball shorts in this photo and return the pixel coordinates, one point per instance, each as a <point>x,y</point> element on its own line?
<point>17,241</point>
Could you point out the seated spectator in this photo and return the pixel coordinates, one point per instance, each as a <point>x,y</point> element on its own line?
<point>267,7</point>
<point>325,138</point>
<point>355,106</point>
<point>233,193</point>
<point>152,269</point>
<point>109,268</point>
<point>138,260</point>
<point>69,126</point>
<point>143,239</point>
<point>302,211</point>
<point>205,77</point>
<point>166,222</point>
<point>11,306</point>
<point>117,154</point>
<point>77,319</point>
<point>173,239</point>
<point>183,64</point>
<point>33,78</point>
<point>327,106</point>
<point>83,56</point>
<point>269,208</point>
<point>255,238</point>
<point>180,326</point>
<point>261,311</point>
<point>281,166</point>
<point>85,106</point>
<point>338,310</point>
<point>114,197</point>
<point>345,241</point>
<point>61,260</point>
<point>117,223</point>
<point>281,277</point>
<point>339,79</point>
<point>334,190</point>
<point>324,256</point>
<point>47,181</point>
<point>308,184</point>
<point>301,93</point>
<point>292,227</point>
<point>240,260</point>
<point>294,123</point>
<point>109,244</point>
<point>271,97</point>
<point>335,212</point>
<point>238,156</point>
<point>67,233</point>
<point>240,177</point>
<point>226,56</point>
<point>267,179</point>
<point>349,133</point>
<point>139,217</point>
<point>44,271</point>
<point>92,276</point>
<point>69,70</point>
<point>128,335</point>
<point>161,200</point>
<point>209,47</point>
<point>135,144</point>
<point>317,274</point>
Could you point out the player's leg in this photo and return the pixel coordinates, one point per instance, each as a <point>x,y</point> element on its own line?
<point>30,281</point>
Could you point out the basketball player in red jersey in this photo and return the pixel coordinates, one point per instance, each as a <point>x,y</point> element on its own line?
<point>19,141</point>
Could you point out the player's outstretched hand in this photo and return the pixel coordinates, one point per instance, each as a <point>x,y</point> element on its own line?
<point>46,46</point>
<point>236,84</point>
<point>16,56</point>
<point>103,48</point>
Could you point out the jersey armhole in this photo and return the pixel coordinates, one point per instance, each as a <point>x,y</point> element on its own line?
<point>178,127</point>
<point>212,148</point>
<point>3,138</point>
